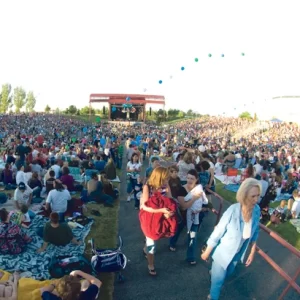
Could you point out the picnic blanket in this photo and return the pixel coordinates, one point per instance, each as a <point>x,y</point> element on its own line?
<point>228,179</point>
<point>38,264</point>
<point>28,288</point>
<point>232,187</point>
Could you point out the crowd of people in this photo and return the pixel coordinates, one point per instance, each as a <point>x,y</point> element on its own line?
<point>47,159</point>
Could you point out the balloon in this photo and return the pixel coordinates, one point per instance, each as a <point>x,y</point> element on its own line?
<point>84,130</point>
<point>127,98</point>
<point>234,108</point>
<point>182,68</point>
<point>114,108</point>
<point>196,59</point>
<point>145,90</point>
<point>243,54</point>
<point>160,82</point>
<point>171,77</point>
<point>74,139</point>
<point>209,55</point>
<point>222,55</point>
<point>98,119</point>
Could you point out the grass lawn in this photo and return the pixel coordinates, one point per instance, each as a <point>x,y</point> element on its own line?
<point>285,230</point>
<point>104,232</point>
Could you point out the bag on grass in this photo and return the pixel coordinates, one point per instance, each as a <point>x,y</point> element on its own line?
<point>64,265</point>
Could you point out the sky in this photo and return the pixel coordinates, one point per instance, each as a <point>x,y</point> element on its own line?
<point>65,50</point>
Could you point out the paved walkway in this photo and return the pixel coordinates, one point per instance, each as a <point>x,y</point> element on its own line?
<point>176,280</point>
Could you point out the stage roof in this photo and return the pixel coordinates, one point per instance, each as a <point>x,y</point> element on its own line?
<point>121,98</point>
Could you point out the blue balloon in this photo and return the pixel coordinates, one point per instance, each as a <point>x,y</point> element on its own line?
<point>84,130</point>
<point>102,141</point>
<point>222,55</point>
<point>160,82</point>
<point>182,68</point>
<point>114,108</point>
<point>127,98</point>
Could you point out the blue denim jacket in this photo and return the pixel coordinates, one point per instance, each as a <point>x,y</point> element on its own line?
<point>226,237</point>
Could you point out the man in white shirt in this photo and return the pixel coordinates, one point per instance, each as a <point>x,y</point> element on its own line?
<point>20,177</point>
<point>264,186</point>
<point>22,195</point>
<point>258,168</point>
<point>56,168</point>
<point>58,198</point>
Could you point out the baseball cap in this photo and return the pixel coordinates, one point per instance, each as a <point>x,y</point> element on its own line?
<point>22,186</point>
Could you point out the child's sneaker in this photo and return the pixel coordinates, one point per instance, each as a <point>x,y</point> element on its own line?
<point>128,198</point>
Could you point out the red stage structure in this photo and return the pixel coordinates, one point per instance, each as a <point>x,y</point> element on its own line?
<point>138,102</point>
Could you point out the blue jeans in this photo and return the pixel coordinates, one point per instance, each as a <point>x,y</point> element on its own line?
<point>192,243</point>
<point>174,239</point>
<point>130,185</point>
<point>36,192</point>
<point>218,275</point>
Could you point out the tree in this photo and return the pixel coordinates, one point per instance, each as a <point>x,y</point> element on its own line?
<point>57,111</point>
<point>31,101</point>
<point>189,113</point>
<point>5,98</point>
<point>86,111</point>
<point>245,115</point>
<point>72,110</point>
<point>47,108</point>
<point>19,98</point>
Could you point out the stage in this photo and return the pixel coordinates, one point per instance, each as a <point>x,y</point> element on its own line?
<point>127,107</point>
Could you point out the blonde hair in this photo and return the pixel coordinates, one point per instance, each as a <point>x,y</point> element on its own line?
<point>158,177</point>
<point>242,195</point>
<point>68,287</point>
<point>188,158</point>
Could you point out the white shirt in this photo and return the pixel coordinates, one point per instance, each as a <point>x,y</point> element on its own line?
<point>264,187</point>
<point>296,208</point>
<point>22,197</point>
<point>21,177</point>
<point>258,169</point>
<point>58,200</point>
<point>192,214</point>
<point>56,169</point>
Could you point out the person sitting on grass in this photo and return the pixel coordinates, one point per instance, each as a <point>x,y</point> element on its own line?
<point>13,240</point>
<point>57,200</point>
<point>70,287</point>
<point>56,233</point>
<point>21,217</point>
<point>96,192</point>
<point>296,205</point>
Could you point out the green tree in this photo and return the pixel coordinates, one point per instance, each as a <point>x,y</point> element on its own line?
<point>5,98</point>
<point>31,101</point>
<point>57,111</point>
<point>245,115</point>
<point>72,110</point>
<point>189,113</point>
<point>181,114</point>
<point>86,111</point>
<point>47,108</point>
<point>19,98</point>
